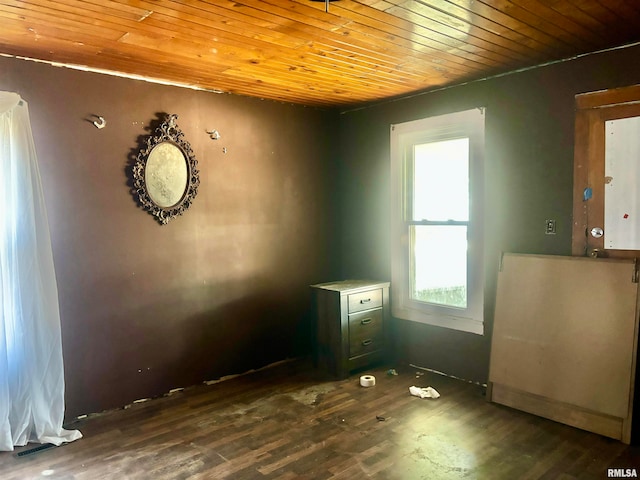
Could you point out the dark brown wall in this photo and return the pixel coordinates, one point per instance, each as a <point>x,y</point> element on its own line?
<point>529,178</point>
<point>224,288</point>
<point>219,290</point>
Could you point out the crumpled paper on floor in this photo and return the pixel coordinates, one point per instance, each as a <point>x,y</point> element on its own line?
<point>428,392</point>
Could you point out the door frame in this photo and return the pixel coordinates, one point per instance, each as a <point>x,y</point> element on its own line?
<point>593,109</point>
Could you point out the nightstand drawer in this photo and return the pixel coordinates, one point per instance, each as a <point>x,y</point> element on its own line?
<point>350,324</point>
<point>365,332</point>
<point>365,300</point>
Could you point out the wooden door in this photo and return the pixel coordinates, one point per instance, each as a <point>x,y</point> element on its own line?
<point>595,113</point>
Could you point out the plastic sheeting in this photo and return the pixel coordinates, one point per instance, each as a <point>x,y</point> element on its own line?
<point>31,368</point>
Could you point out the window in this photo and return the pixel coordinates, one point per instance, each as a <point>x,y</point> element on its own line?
<point>437,257</point>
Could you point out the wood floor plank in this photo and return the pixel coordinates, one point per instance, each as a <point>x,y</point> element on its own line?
<point>292,422</point>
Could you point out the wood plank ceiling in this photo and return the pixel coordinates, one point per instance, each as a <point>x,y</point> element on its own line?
<point>297,51</point>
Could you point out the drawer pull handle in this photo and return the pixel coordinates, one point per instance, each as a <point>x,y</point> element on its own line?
<point>365,300</point>
<point>367,342</point>
<point>365,321</point>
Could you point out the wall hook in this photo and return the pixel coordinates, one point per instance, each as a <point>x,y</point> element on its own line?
<point>213,134</point>
<point>100,123</point>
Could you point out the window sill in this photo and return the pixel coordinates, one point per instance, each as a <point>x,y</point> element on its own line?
<point>463,324</point>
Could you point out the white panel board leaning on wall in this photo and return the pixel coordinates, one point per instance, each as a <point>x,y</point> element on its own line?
<point>564,340</point>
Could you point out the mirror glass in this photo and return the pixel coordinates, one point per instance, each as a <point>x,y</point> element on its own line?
<point>166,174</point>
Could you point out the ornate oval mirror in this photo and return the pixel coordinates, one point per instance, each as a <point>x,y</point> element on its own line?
<point>165,174</point>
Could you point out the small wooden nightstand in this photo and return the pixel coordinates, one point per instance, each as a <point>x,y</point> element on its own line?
<point>351,320</point>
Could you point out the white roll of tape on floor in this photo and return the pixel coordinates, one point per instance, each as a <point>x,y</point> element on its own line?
<point>367,380</point>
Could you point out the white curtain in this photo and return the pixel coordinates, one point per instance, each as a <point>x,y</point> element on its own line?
<point>31,369</point>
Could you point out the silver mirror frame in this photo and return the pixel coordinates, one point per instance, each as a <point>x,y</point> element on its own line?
<point>168,131</point>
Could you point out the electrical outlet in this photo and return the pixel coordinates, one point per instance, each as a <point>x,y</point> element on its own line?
<point>550,227</point>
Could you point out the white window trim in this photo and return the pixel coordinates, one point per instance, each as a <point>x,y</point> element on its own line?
<point>467,123</point>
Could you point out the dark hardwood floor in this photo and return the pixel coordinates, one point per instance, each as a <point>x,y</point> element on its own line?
<point>289,422</point>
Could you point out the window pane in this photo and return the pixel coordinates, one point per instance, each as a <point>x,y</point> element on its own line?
<point>441,180</point>
<point>622,173</point>
<point>439,264</point>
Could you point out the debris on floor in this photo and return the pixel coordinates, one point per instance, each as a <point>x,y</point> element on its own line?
<point>428,392</point>
<point>367,381</point>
